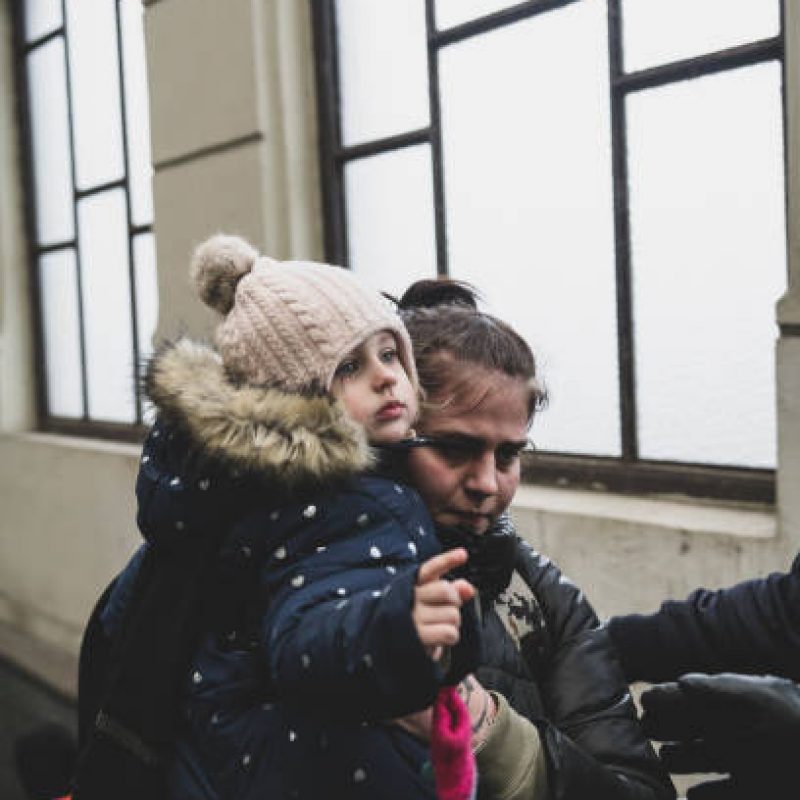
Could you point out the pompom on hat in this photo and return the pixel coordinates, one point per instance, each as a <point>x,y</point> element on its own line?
<point>289,323</point>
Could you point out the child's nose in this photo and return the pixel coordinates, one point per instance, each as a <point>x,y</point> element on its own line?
<point>382,375</point>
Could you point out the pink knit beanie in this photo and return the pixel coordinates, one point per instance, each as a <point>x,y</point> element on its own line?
<point>451,748</point>
<point>289,323</point>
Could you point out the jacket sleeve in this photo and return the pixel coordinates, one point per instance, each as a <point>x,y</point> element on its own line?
<point>752,627</point>
<point>593,743</point>
<point>338,634</point>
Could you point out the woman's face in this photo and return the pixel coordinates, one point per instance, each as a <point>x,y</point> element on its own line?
<point>479,423</point>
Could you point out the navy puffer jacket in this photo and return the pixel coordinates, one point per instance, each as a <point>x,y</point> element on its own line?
<point>302,647</point>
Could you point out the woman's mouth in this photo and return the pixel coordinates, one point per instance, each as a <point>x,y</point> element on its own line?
<point>471,520</point>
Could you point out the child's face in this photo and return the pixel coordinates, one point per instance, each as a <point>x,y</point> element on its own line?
<point>375,390</point>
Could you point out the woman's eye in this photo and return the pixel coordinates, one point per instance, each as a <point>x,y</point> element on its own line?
<point>346,368</point>
<point>505,457</point>
<point>389,355</point>
<point>454,452</point>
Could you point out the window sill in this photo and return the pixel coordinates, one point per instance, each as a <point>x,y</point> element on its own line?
<point>673,513</point>
<point>83,443</point>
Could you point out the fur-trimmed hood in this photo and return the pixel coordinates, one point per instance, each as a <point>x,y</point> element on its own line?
<point>290,437</point>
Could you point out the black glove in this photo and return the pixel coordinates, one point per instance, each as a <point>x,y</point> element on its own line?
<point>743,725</point>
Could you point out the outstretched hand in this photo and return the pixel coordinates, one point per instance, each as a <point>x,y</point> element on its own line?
<point>437,602</point>
<point>743,725</point>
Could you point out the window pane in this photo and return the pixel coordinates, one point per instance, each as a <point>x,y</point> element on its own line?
<point>52,160</point>
<point>103,244</point>
<point>709,263</point>
<point>41,17</point>
<point>144,259</point>
<point>62,349</point>
<point>137,111</point>
<point>660,31</point>
<point>529,205</point>
<point>453,12</point>
<point>94,78</point>
<point>383,68</point>
<point>390,219</point>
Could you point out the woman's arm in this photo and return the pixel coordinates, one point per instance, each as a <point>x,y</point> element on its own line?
<point>591,738</point>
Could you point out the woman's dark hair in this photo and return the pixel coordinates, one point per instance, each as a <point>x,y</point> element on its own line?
<point>448,329</point>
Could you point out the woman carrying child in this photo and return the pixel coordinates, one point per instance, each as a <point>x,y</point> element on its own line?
<point>551,713</point>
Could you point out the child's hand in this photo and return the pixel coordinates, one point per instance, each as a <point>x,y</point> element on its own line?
<point>437,602</point>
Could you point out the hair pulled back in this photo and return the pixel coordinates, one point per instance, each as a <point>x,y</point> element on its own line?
<point>448,329</point>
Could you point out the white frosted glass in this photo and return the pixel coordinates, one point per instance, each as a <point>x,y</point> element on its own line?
<point>94,81</point>
<point>103,242</point>
<point>62,349</point>
<point>383,68</point>
<point>660,31</point>
<point>527,168</point>
<point>453,12</point>
<point>52,159</point>
<point>41,17</point>
<point>390,219</point>
<point>709,263</point>
<point>144,259</point>
<point>137,111</point>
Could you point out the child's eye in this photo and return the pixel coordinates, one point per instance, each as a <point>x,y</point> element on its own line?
<point>389,355</point>
<point>347,368</point>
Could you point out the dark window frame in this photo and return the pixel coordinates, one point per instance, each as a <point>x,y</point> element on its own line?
<point>45,421</point>
<point>628,472</point>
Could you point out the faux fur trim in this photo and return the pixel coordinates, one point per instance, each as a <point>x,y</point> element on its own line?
<point>293,438</point>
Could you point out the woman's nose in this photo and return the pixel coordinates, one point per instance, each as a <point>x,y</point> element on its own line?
<point>481,477</point>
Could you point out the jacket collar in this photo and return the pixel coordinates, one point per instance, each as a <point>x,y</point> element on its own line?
<point>292,437</point>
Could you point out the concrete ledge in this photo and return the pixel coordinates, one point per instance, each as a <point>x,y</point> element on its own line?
<point>78,443</point>
<point>54,667</point>
<point>675,514</point>
<point>631,553</point>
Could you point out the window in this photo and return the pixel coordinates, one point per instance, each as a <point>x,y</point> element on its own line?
<point>611,175</point>
<point>83,90</point>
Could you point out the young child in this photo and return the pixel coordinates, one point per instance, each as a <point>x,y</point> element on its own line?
<point>318,626</point>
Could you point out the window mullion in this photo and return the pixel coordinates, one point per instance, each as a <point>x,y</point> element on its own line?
<point>328,113</point>
<point>622,241</point>
<point>137,398</point>
<point>78,260</point>
<point>442,262</point>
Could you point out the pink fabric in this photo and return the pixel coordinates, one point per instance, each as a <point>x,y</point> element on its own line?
<point>451,751</point>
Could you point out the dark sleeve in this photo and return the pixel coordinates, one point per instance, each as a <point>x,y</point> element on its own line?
<point>338,634</point>
<point>593,742</point>
<point>752,627</point>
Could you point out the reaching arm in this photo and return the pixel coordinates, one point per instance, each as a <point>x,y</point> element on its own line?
<point>752,627</point>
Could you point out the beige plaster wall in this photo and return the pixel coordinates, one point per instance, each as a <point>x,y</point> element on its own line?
<point>234,148</point>
<point>16,372</point>
<point>788,350</point>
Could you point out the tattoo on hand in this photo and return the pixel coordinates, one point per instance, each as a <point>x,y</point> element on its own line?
<point>484,712</point>
<point>466,689</point>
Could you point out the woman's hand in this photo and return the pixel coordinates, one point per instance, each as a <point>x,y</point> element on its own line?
<point>479,703</point>
<point>437,602</point>
<point>481,706</point>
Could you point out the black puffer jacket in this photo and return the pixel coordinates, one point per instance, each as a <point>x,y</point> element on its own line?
<point>752,627</point>
<point>546,652</point>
